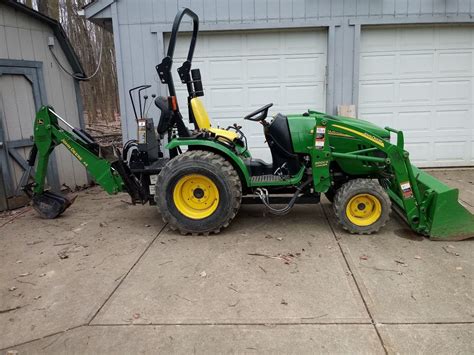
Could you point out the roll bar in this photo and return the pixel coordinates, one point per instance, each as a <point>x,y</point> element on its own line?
<point>164,68</point>
<point>174,32</point>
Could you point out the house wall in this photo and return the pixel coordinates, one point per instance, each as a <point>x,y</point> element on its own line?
<point>25,38</point>
<point>139,30</point>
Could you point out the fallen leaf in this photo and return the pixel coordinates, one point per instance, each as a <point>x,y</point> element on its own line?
<point>280,239</point>
<point>203,274</point>
<point>42,275</point>
<point>363,257</point>
<point>19,261</point>
<point>37,297</point>
<point>284,302</point>
<point>24,274</point>
<point>136,315</point>
<point>458,268</point>
<point>417,257</point>
<point>13,288</point>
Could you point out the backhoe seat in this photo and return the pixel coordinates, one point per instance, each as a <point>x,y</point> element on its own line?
<point>204,123</point>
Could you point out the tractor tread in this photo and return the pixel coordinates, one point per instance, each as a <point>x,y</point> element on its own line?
<point>351,188</point>
<point>220,164</point>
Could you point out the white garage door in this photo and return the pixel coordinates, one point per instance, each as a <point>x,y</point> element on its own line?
<point>242,71</point>
<point>421,80</point>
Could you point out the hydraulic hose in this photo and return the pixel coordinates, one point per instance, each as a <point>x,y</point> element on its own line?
<point>263,195</point>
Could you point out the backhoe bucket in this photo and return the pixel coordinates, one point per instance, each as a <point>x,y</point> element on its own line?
<point>446,218</point>
<point>50,205</point>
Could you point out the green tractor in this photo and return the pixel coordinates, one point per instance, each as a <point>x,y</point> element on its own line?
<point>209,172</point>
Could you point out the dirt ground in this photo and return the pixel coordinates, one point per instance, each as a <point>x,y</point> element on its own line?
<point>108,277</point>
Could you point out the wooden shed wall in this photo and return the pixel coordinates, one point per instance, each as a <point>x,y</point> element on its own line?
<point>25,38</point>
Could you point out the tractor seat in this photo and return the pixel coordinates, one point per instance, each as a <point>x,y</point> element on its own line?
<point>204,123</point>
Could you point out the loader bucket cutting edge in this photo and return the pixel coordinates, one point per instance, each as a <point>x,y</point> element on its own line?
<point>447,219</point>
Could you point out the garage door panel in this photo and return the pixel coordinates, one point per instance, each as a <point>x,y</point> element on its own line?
<point>413,64</point>
<point>415,92</point>
<point>223,45</point>
<point>298,96</point>
<point>454,92</point>
<point>373,66</point>
<point>263,69</point>
<point>452,119</point>
<point>263,43</point>
<point>455,63</point>
<point>421,81</point>
<point>378,40</point>
<point>257,96</point>
<point>450,151</point>
<point>455,37</point>
<point>376,94</point>
<point>305,68</point>
<point>424,39</point>
<point>226,98</point>
<point>226,71</point>
<point>304,42</point>
<point>417,122</point>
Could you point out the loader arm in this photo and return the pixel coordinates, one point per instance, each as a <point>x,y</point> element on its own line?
<point>428,206</point>
<point>111,173</point>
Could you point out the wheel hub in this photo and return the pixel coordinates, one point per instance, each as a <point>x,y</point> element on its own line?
<point>196,196</point>
<point>364,209</point>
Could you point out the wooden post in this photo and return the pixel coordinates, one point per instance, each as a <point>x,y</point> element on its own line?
<point>346,110</point>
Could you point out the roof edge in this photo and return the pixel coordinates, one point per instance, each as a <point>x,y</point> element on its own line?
<point>58,31</point>
<point>95,7</point>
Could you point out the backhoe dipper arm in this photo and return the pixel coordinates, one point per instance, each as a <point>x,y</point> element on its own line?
<point>48,134</point>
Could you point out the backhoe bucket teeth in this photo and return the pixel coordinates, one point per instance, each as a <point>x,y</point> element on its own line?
<point>50,205</point>
<point>446,218</point>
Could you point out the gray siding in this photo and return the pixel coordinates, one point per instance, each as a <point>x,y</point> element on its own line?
<point>25,38</point>
<point>139,27</point>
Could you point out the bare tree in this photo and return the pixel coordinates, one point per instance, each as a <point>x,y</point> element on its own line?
<point>100,94</point>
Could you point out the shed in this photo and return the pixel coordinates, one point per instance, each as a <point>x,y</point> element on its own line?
<point>29,78</point>
<point>408,64</point>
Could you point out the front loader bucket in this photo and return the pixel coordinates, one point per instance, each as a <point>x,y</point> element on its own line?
<point>446,218</point>
<point>50,205</point>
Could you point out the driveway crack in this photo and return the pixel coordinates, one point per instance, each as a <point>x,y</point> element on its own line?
<point>124,276</point>
<point>372,321</point>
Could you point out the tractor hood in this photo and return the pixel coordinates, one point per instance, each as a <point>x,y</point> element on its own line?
<point>369,126</point>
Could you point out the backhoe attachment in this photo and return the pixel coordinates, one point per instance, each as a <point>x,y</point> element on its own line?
<point>105,165</point>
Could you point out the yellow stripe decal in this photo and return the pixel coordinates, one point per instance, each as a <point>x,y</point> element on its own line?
<point>365,135</point>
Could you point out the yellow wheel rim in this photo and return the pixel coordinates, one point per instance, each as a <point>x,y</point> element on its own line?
<point>196,196</point>
<point>364,210</point>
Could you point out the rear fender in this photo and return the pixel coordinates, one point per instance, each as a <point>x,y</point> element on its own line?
<point>226,153</point>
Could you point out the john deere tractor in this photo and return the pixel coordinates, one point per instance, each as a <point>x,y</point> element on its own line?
<point>203,174</point>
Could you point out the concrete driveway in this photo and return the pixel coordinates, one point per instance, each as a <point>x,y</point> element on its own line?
<point>108,277</point>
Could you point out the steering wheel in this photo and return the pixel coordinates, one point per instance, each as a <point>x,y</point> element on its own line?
<point>259,115</point>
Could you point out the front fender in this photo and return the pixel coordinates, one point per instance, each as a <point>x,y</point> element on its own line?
<point>227,153</point>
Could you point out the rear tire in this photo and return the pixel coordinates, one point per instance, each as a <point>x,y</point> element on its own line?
<point>362,206</point>
<point>198,193</point>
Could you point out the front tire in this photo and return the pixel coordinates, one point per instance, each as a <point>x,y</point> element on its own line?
<point>198,192</point>
<point>362,206</point>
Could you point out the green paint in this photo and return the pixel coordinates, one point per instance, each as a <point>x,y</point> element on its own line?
<point>48,134</point>
<point>235,158</point>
